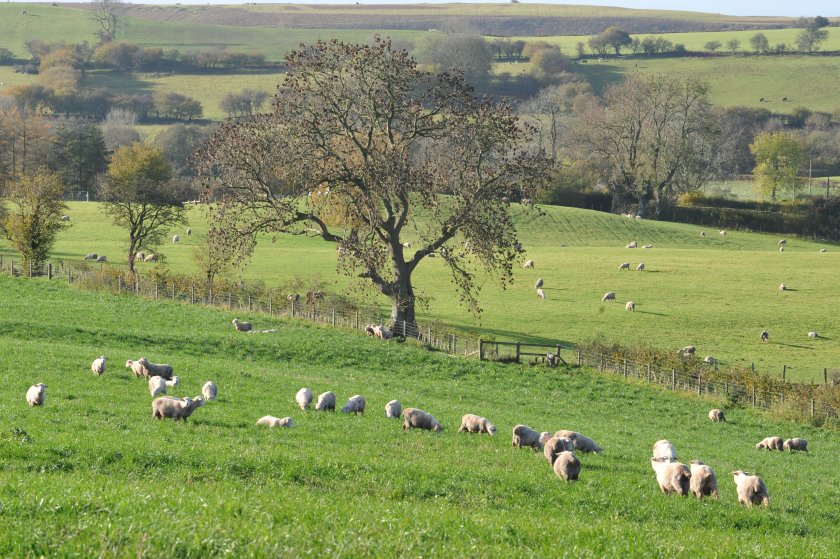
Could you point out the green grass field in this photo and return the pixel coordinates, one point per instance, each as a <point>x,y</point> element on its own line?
<point>717,293</point>
<point>92,474</point>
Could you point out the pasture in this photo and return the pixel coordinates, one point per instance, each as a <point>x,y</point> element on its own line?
<point>717,293</point>
<point>92,474</point>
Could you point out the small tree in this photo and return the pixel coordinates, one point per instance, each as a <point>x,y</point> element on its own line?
<point>779,156</point>
<point>812,34</point>
<point>140,196</point>
<point>616,38</point>
<point>106,13</point>
<point>34,221</point>
<point>712,46</point>
<point>759,43</point>
<point>733,45</point>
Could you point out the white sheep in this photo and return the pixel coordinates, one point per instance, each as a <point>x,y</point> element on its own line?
<point>782,287</point>
<point>771,443</point>
<point>65,218</point>
<point>303,398</point>
<point>795,444</point>
<point>102,258</point>
<point>326,402</point>
<point>176,239</point>
<point>630,306</point>
<point>91,256</point>
<point>751,489</point>
<point>567,466</point>
<point>664,451</point>
<point>419,419</point>
<point>167,406</point>
<point>640,267</point>
<point>539,283</point>
<point>293,297</point>
<point>540,293</point>
<point>242,326</point>
<point>98,366</point>
<point>355,404</point>
<point>471,423</point>
<point>823,250</point>
<point>37,394</point>
<point>136,367</point>
<point>781,249</point>
<point>157,385</point>
<point>608,296</point>
<point>703,482</point>
<point>271,421</point>
<point>210,390</point>
<point>648,246</point>
<point>702,233</point>
<point>525,436</point>
<point>813,335</point>
<point>782,242</point>
<point>393,409</point>
<point>140,256</point>
<point>710,360</point>
<point>716,415</point>
<point>554,446</point>
<point>632,244</point>
<point>765,336</point>
<point>687,351</point>
<point>673,477</point>
<point>151,257</point>
<point>624,266</point>
<point>581,442</point>
<point>189,231</point>
<point>528,264</point>
<point>722,233</point>
<point>174,382</point>
<point>148,369</point>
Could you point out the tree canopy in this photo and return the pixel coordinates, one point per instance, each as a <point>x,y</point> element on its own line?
<point>779,157</point>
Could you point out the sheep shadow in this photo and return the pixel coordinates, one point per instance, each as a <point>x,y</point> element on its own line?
<point>653,313</point>
<point>797,346</point>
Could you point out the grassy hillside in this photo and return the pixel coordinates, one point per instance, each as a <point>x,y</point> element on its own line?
<point>717,293</point>
<point>92,474</point>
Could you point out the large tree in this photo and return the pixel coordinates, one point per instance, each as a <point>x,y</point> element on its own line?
<point>779,157</point>
<point>107,13</point>
<point>812,34</point>
<point>366,151</point>
<point>140,196</point>
<point>653,135</point>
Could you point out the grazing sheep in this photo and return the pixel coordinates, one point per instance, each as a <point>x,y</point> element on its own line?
<point>313,297</point>
<point>795,444</point>
<point>782,287</point>
<point>65,218</point>
<point>703,482</point>
<point>813,335</point>
<point>608,296</point>
<point>136,367</point>
<point>293,297</point>
<point>664,451</point>
<point>647,246</point>
<point>581,442</point>
<point>406,245</point>
<point>781,249</point>
<point>540,293</point>
<point>98,366</point>
<point>393,409</point>
<point>303,398</point>
<point>717,415</point>
<point>102,258</point>
<point>271,421</point>
<point>355,404</point>
<point>210,390</point>
<point>418,419</point>
<point>525,436</point>
<point>189,231</point>
<point>242,326</point>
<point>140,256</point>
<point>751,489</point>
<point>632,244</point>
<point>624,266</point>
<point>149,369</point>
<point>173,408</point>
<point>567,466</point>
<point>771,443</point>
<point>175,382</point>
<point>176,239</point>
<point>152,257</point>
<point>722,233</point>
<point>326,402</point>
<point>528,264</point>
<point>782,242</point>
<point>710,360</point>
<point>379,331</point>
<point>640,267</point>
<point>474,424</point>
<point>539,283</point>
<point>765,336</point>
<point>36,395</point>
<point>687,351</point>
<point>673,477</point>
<point>551,360</point>
<point>702,233</point>
<point>157,386</point>
<point>554,446</point>
<point>823,250</point>
<point>91,256</point>
<point>630,306</point>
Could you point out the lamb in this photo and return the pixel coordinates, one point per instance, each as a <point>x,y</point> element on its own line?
<point>539,283</point>
<point>771,443</point>
<point>781,249</point>
<point>722,233</point>
<point>157,386</point>
<point>242,326</point>
<point>98,366</point>
<point>303,398</point>
<point>175,382</point>
<point>765,336</point>
<point>65,218</point>
<point>702,233</point>
<point>36,395</point>
<point>210,390</point>
<point>813,335</point>
<point>703,482</point>
<point>608,296</point>
<point>189,231</point>
<point>475,424</point>
<point>140,256</point>
<point>173,408</point>
<point>326,402</point>
<point>710,360</point>
<point>355,404</point>
<point>176,239</point>
<point>540,293</point>
<point>687,351</point>
<point>393,409</point>
<point>795,444</point>
<point>91,256</point>
<point>152,257</point>
<point>581,442</point>
<point>624,266</point>
<point>567,466</point>
<point>152,369</point>
<point>271,421</point>
<point>554,446</point>
<point>102,258</point>
<point>716,415</point>
<point>633,244</point>
<point>630,306</point>
<point>782,287</point>
<point>648,246</point>
<point>525,436</point>
<point>640,267</point>
<point>673,477</point>
<point>664,451</point>
<point>751,489</point>
<point>418,419</point>
<point>528,264</point>
<point>823,250</point>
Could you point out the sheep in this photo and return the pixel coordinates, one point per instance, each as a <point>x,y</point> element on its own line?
<point>703,482</point>
<point>664,451</point>
<point>554,446</point>
<point>771,443</point>
<point>355,404</point>
<point>722,233</point>
<point>687,351</point>
<point>765,335</point>
<point>189,231</point>
<point>630,306</point>
<point>393,409</point>
<point>173,408</point>
<point>624,266</point>
<point>702,233</point>
<point>210,390</point>
<point>242,326</point>
<point>140,257</point>
<point>293,297</point>
<point>176,239</point>
<point>823,250</point>
<point>303,398</point>
<point>418,419</point>
<point>528,264</point>
<point>65,218</point>
<point>551,360</point>
<point>710,360</point>
<point>379,331</point>
<point>136,367</point>
<point>640,267</point>
<point>567,466</point>
<point>716,415</point>
<point>782,242</point>
<point>102,258</point>
<point>782,287</point>
<point>271,421</point>
<point>648,246</point>
<point>406,245</point>
<point>581,442</point>
<point>151,369</point>
<point>326,402</point>
<point>540,293</point>
<point>98,366</point>
<point>175,382</point>
<point>813,335</point>
<point>475,424</point>
<point>157,386</point>
<point>313,297</point>
<point>673,477</point>
<point>795,444</point>
<point>751,489</point>
<point>539,283</point>
<point>525,436</point>
<point>632,244</point>
<point>608,296</point>
<point>781,249</point>
<point>152,257</point>
<point>36,395</point>
<point>545,436</point>
<point>91,256</point>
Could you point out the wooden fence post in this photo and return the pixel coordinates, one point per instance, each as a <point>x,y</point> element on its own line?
<point>673,379</point>
<point>784,372</point>
<point>480,349</point>
<point>699,385</point>
<point>119,284</point>
<point>173,290</point>
<point>580,358</point>
<point>30,268</point>
<point>192,294</point>
<point>625,367</point>
<point>825,375</point>
<point>753,396</point>
<point>249,302</point>
<point>812,407</point>
<point>269,304</point>
<point>69,279</point>
<point>454,344</point>
<point>49,270</point>
<point>156,290</point>
<point>518,348</point>
<point>333,317</point>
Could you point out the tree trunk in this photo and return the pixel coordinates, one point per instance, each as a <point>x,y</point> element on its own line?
<point>402,301</point>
